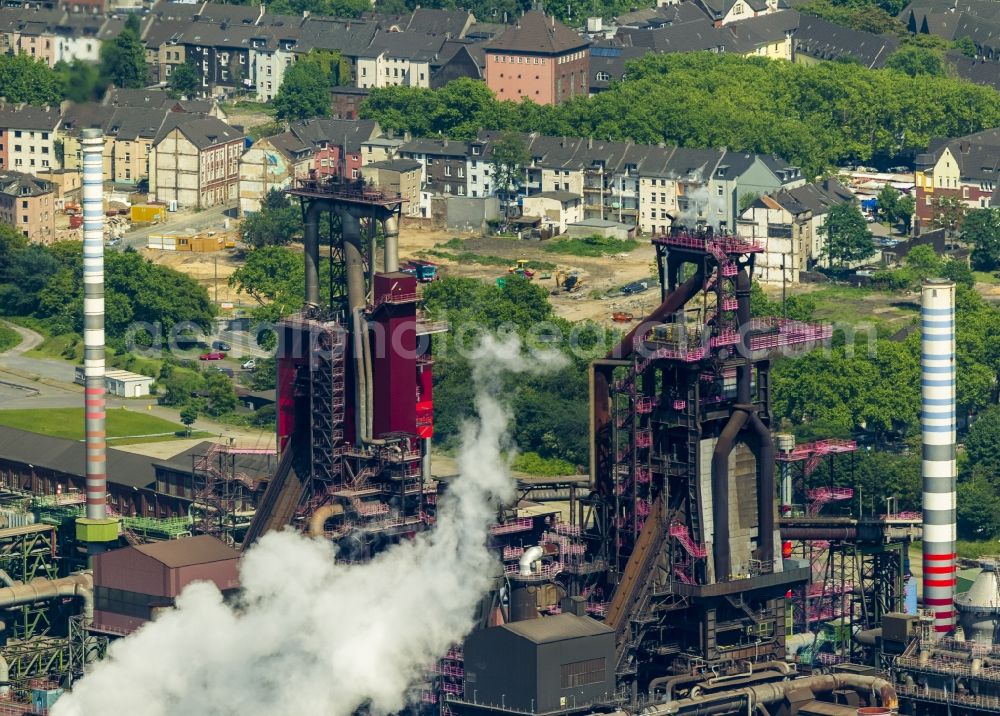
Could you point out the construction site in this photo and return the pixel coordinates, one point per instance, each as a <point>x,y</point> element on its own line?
<point>705,565</point>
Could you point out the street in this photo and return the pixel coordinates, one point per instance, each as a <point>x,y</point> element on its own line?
<point>182,221</point>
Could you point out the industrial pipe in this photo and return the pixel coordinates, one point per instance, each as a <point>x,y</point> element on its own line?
<point>92,142</point>
<point>804,534</point>
<point>37,590</point>
<point>530,556</point>
<point>390,227</point>
<point>765,488</point>
<point>720,493</point>
<point>317,521</point>
<point>310,239</point>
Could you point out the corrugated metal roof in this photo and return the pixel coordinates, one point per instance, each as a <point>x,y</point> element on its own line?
<point>560,627</point>
<point>188,551</point>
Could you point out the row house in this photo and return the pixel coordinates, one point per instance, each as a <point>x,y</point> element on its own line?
<point>443,164</point>
<point>646,186</point>
<point>196,162</point>
<point>788,223</point>
<point>54,36</point>
<point>27,138</point>
<point>325,147</point>
<point>28,204</point>
<point>966,169</point>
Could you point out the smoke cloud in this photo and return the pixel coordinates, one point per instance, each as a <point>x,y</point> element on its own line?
<point>309,636</point>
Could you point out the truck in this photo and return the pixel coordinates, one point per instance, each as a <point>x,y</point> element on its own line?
<point>424,271</point>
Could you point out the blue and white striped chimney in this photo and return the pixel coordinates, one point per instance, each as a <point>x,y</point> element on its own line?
<point>937,424</point>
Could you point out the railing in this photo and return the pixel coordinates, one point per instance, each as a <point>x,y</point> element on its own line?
<point>680,532</point>
<point>519,525</point>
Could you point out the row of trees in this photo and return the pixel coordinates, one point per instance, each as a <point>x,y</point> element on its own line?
<point>47,282</point>
<point>123,63</point>
<point>816,116</point>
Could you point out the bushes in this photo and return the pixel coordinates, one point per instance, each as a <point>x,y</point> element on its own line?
<point>595,246</point>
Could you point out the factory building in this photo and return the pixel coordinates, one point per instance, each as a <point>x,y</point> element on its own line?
<point>133,584</point>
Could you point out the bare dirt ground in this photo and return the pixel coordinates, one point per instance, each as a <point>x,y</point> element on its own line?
<point>203,268</point>
<point>602,276</point>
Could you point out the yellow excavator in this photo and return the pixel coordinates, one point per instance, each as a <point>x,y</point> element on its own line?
<point>570,282</point>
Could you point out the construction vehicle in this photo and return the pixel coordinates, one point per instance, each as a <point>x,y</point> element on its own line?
<point>622,316</point>
<point>569,282</point>
<point>424,271</point>
<point>521,269</point>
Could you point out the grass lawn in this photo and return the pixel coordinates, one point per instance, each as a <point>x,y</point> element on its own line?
<point>849,305</point>
<point>986,277</point>
<point>64,347</point>
<point>9,338</point>
<point>68,423</point>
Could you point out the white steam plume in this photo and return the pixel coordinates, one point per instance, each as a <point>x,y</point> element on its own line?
<point>310,636</point>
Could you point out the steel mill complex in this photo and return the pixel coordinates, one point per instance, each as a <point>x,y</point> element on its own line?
<point>706,565</point>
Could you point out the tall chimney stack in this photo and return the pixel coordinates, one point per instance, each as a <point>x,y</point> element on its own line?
<point>937,423</point>
<point>93,319</point>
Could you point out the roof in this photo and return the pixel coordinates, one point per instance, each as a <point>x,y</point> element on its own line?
<point>534,32</point>
<point>608,65</point>
<point>414,46</point>
<point>828,41</point>
<point>817,198</point>
<point>350,37</point>
<point>18,184</point>
<point>978,71</point>
<point>188,551</point>
<point>339,132</point>
<point>396,165</point>
<point>201,131</point>
<point>438,21</point>
<point>426,145</point>
<point>560,627</point>
<point>70,457</point>
<point>254,465</point>
<point>24,116</point>
<point>126,375</point>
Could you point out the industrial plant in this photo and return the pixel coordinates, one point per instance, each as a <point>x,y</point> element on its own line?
<point>707,565</point>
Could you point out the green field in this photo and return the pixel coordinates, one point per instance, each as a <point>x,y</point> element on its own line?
<point>9,338</point>
<point>122,425</point>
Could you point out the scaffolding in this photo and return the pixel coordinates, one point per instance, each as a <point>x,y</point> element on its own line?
<point>28,553</point>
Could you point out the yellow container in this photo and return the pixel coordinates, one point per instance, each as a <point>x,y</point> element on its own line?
<point>88,530</point>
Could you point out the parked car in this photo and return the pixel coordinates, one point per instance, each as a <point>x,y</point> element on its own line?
<point>214,355</point>
<point>249,364</point>
<point>221,346</point>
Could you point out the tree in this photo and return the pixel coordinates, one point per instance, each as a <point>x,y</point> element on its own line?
<point>948,212</point>
<point>922,262</point>
<point>304,92</point>
<point>123,60</point>
<point>982,444</point>
<point>916,61</point>
<point>273,276</point>
<point>278,222</point>
<point>220,394</point>
<point>888,203</point>
<point>507,161</point>
<point>184,80</point>
<point>958,271</point>
<point>966,46</point>
<point>746,199</point>
<point>848,239</point>
<point>81,81</point>
<point>978,509</point>
<point>25,79</point>
<point>189,414</point>
<point>180,385</point>
<point>981,228</point>
<point>906,207</point>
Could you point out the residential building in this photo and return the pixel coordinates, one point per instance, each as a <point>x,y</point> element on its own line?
<point>741,174</point>
<point>767,35</point>
<point>788,224</point>
<point>978,20</point>
<point>346,101</point>
<point>556,209</point>
<point>161,99</point>
<point>337,143</point>
<point>380,149</point>
<point>27,138</point>
<point>196,162</point>
<point>28,204</point>
<point>397,177</point>
<point>966,169</point>
<point>443,164</point>
<point>818,40</point>
<point>723,12</point>
<point>540,59</point>
<point>272,163</point>
<point>351,38</point>
<point>398,58</point>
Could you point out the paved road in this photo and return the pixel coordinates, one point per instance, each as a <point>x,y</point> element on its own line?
<point>182,221</point>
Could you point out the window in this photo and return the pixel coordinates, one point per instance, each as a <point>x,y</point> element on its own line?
<point>24,219</point>
<point>364,71</point>
<point>461,171</point>
<point>24,204</point>
<point>17,132</point>
<point>581,673</point>
<point>354,174</point>
<point>447,171</point>
<point>720,191</point>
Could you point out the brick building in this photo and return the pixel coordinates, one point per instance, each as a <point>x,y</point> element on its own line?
<point>539,59</point>
<point>28,204</point>
<point>196,162</point>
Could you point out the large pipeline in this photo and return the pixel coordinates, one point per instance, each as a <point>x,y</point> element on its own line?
<point>310,239</point>
<point>390,227</point>
<point>38,590</point>
<point>804,534</point>
<point>869,687</point>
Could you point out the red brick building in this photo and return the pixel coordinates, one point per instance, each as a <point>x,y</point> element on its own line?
<point>539,59</point>
<point>967,168</point>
